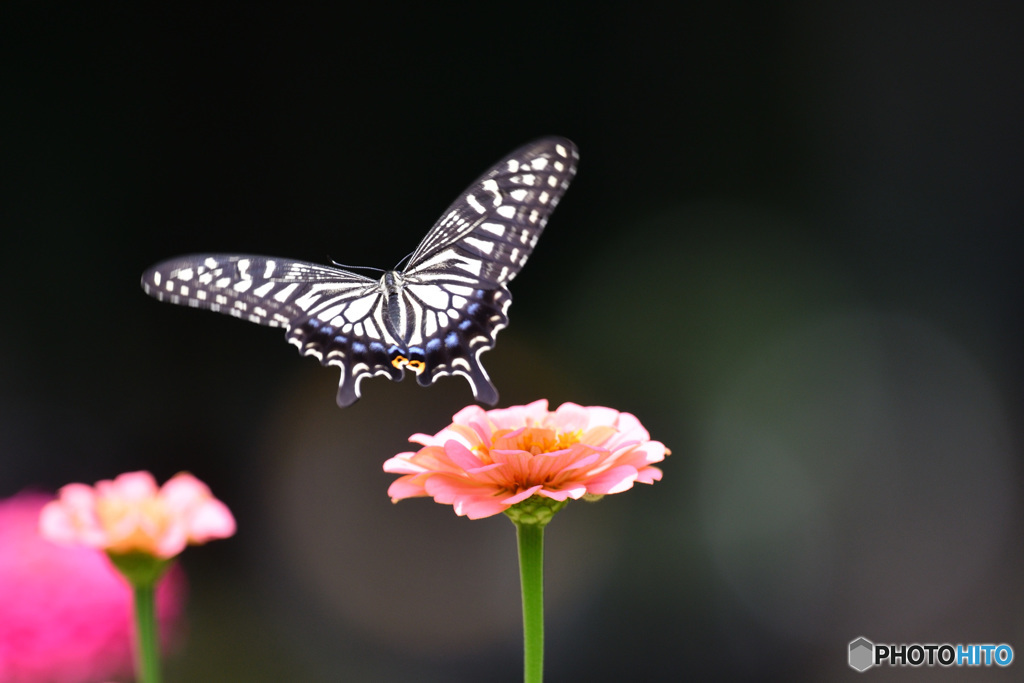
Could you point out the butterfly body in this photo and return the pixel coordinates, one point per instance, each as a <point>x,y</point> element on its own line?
<point>434,317</point>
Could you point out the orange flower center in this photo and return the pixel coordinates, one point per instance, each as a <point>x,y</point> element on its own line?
<point>534,440</point>
<point>133,525</point>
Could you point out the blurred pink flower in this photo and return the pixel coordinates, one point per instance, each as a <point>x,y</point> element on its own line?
<point>490,460</point>
<point>65,612</point>
<point>130,514</point>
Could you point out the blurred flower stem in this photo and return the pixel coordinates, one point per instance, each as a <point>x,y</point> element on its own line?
<point>147,650</point>
<point>143,572</point>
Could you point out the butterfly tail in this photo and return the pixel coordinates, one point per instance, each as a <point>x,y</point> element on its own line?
<point>483,389</point>
<point>348,390</point>
<point>348,386</point>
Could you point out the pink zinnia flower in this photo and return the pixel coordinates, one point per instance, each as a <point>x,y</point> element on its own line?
<point>488,461</point>
<point>65,612</point>
<point>131,514</point>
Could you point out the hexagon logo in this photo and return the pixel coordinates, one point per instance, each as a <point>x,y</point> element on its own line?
<point>862,654</point>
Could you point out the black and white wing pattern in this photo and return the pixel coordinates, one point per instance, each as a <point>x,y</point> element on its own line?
<point>435,317</point>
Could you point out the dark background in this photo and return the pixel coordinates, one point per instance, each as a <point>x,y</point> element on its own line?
<point>792,250</point>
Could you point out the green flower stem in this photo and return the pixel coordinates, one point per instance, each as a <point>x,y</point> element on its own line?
<point>147,647</point>
<point>530,518</point>
<point>143,572</point>
<point>531,579</point>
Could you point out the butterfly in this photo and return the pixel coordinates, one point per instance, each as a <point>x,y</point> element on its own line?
<point>435,316</point>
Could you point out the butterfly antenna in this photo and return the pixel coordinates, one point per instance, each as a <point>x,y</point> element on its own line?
<point>343,265</point>
<point>401,263</point>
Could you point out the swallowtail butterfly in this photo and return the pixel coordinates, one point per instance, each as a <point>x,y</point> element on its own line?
<point>435,317</point>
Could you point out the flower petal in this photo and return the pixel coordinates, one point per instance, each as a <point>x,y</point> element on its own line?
<point>615,480</point>
<point>462,456</point>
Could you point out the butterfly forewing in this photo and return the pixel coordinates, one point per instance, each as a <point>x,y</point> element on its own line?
<point>436,317</point>
<point>490,231</point>
<point>264,290</point>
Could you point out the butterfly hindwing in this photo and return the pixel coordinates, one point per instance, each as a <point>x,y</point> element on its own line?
<point>313,303</point>
<point>449,338</point>
<point>435,317</point>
